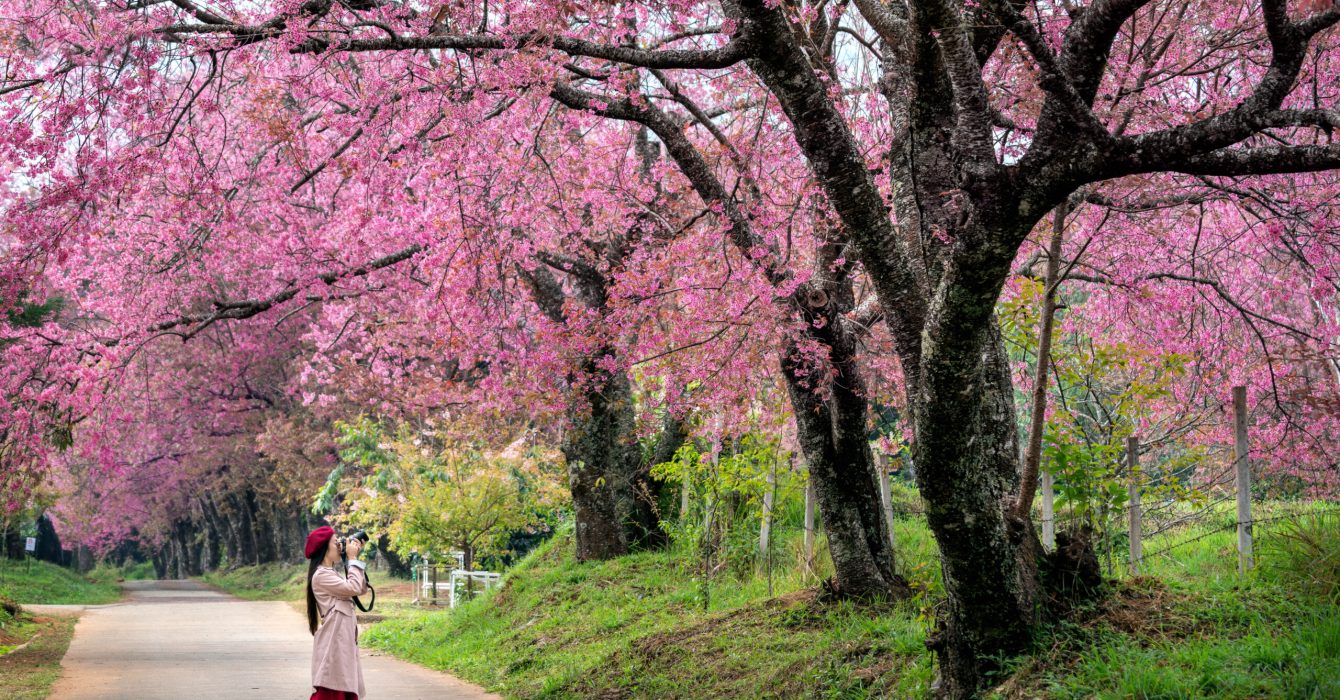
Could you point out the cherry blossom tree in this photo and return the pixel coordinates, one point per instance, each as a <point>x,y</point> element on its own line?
<point>254,157</point>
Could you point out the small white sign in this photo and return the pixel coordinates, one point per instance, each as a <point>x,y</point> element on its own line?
<point>30,545</point>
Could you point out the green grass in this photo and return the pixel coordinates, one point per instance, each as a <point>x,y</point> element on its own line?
<point>638,626</point>
<point>286,582</point>
<point>1293,656</point>
<point>105,573</point>
<point>43,582</point>
<point>27,672</point>
<point>276,581</point>
<point>1192,628</point>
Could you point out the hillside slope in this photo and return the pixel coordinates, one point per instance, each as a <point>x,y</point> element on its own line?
<point>637,627</point>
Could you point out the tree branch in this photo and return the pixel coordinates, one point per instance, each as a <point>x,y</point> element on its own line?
<point>1260,160</point>
<point>246,308</point>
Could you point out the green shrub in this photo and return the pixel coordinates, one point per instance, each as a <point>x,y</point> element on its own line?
<point>106,573</point>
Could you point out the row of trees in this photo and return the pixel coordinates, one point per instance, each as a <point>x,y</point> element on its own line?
<point>603,221</point>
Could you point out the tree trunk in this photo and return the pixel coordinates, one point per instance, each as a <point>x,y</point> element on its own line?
<point>601,459</point>
<point>213,553</point>
<point>1037,419</point>
<point>227,529</point>
<point>967,462</point>
<point>246,530</point>
<point>644,523</point>
<point>48,542</point>
<point>83,559</point>
<point>398,566</point>
<point>833,437</point>
<point>262,525</point>
<point>13,543</point>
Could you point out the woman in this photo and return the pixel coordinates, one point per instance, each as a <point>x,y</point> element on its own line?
<point>336,674</point>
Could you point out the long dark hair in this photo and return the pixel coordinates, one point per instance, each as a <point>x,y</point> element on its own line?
<point>312,564</point>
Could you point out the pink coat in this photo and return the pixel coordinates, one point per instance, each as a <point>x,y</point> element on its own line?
<point>335,648</point>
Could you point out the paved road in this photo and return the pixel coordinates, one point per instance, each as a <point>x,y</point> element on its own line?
<point>178,640</point>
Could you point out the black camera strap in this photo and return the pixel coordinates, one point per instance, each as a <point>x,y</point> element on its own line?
<point>371,590</point>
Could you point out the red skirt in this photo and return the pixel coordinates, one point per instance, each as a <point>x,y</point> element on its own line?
<point>328,694</point>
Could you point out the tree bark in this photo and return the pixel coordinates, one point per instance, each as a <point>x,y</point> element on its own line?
<point>262,527</point>
<point>48,542</point>
<point>833,437</point>
<point>246,531</point>
<point>598,450</point>
<point>967,463</point>
<point>644,523</point>
<point>227,529</point>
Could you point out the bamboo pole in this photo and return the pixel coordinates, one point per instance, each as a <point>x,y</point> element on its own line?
<point>1133,491</point>
<point>1048,512</point>
<point>1243,479</point>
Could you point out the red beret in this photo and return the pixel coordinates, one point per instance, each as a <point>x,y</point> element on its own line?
<point>318,539</point>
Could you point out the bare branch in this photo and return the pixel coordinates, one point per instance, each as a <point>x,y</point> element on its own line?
<point>246,308</point>
<point>1260,160</point>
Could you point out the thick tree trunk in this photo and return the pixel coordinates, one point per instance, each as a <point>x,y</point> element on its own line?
<point>602,457</point>
<point>834,440</point>
<point>967,461</point>
<point>48,542</point>
<point>263,527</point>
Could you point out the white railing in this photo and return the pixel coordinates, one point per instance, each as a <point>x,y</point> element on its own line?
<point>458,584</point>
<point>468,578</point>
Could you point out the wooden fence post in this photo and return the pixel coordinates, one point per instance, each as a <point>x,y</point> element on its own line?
<point>809,525</point>
<point>1048,512</point>
<point>1133,493</point>
<point>768,495</point>
<point>764,550</point>
<point>1243,480</point>
<point>886,496</point>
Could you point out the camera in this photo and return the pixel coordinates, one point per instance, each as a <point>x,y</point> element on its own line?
<point>355,535</point>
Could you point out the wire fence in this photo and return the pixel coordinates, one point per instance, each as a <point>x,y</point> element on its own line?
<point>1215,530</point>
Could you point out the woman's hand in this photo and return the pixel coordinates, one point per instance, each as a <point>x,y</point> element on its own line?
<point>353,547</point>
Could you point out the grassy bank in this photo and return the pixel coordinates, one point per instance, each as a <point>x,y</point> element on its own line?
<point>646,626</point>
<point>285,582</point>
<point>637,627</point>
<point>281,581</point>
<point>42,582</point>
<point>30,652</point>
<point>275,581</point>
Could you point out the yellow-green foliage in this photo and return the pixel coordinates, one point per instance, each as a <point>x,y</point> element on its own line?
<point>1099,392</point>
<point>432,493</point>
